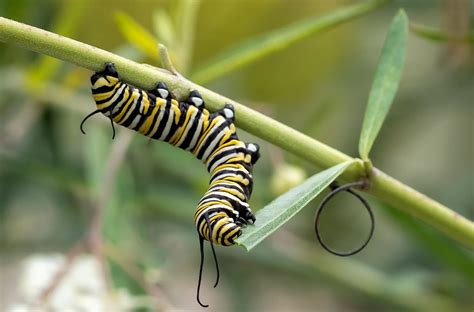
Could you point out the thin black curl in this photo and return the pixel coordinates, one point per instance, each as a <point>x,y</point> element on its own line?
<point>336,189</point>
<point>81,127</point>
<point>201,251</point>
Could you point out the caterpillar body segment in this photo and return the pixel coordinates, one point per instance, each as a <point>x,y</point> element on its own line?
<point>223,210</point>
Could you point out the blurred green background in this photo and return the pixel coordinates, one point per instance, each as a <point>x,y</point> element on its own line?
<point>53,178</point>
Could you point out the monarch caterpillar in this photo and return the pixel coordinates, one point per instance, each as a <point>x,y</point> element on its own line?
<point>211,137</point>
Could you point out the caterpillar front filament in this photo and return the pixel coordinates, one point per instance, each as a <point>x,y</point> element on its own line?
<point>211,137</point>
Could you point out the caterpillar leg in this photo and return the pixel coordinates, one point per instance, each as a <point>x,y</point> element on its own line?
<point>195,99</point>
<point>109,70</point>
<point>228,112</point>
<point>248,216</point>
<point>161,90</point>
<point>254,151</point>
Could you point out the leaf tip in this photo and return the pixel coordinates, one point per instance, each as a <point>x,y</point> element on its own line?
<point>401,12</point>
<point>402,17</point>
<point>243,245</point>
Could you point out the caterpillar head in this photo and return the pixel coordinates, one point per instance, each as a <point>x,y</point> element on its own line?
<point>108,77</point>
<point>103,83</point>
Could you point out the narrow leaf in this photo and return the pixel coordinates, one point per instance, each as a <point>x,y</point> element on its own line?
<point>65,24</point>
<point>386,81</point>
<point>432,243</point>
<point>185,14</point>
<point>438,35</point>
<point>284,207</point>
<point>137,35</point>
<point>260,46</point>
<point>164,28</point>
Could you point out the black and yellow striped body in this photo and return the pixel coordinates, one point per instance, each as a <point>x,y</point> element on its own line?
<point>212,138</point>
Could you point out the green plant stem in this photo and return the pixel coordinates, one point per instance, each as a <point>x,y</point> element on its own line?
<point>383,186</point>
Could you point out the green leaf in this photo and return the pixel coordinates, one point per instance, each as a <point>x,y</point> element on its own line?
<point>164,28</point>
<point>284,207</point>
<point>260,46</point>
<point>438,35</point>
<point>432,243</point>
<point>185,14</point>
<point>137,35</point>
<point>65,24</point>
<point>386,81</point>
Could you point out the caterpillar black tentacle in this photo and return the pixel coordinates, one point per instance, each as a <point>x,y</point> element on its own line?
<point>81,127</point>
<point>201,264</point>
<point>223,210</point>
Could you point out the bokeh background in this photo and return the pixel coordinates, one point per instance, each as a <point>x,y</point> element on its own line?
<point>54,180</point>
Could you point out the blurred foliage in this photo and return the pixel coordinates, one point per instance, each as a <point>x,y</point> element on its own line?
<point>51,175</point>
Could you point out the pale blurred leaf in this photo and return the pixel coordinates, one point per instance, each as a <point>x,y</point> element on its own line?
<point>137,35</point>
<point>65,23</point>
<point>185,14</point>
<point>261,46</point>
<point>164,29</point>
<point>432,244</point>
<point>438,35</point>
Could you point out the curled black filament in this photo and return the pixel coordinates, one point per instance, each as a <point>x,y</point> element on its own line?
<point>336,189</point>
<point>81,127</point>
<point>201,250</point>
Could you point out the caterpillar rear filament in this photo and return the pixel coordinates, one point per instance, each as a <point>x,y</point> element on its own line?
<point>211,137</point>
